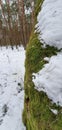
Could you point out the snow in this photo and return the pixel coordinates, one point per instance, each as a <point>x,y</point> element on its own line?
<point>49,79</point>
<point>49,26</point>
<point>46,59</point>
<point>54,111</point>
<point>28,11</point>
<point>11,88</point>
<point>50,23</point>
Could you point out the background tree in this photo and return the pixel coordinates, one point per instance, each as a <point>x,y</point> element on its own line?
<point>17,20</point>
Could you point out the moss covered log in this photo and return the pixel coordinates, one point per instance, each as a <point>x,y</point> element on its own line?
<point>37,114</point>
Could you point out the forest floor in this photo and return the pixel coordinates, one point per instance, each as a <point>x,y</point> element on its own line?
<point>11,88</point>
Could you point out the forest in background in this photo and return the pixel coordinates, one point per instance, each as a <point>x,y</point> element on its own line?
<point>16,21</point>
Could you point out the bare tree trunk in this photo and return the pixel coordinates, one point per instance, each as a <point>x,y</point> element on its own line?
<point>22,20</point>
<point>9,13</point>
<point>32,14</point>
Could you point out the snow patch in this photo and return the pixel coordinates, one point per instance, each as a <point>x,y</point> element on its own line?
<point>54,111</point>
<point>49,79</point>
<point>50,23</point>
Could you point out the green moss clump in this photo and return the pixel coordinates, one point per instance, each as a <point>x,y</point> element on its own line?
<point>35,54</point>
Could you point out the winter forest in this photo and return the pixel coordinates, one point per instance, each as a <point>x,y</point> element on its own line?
<point>30,64</point>
<point>16,24</point>
<point>16,21</point>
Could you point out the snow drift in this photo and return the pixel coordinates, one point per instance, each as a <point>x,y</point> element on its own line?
<point>50,23</point>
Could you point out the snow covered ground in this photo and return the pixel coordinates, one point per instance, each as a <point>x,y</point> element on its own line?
<point>49,79</point>
<point>11,88</point>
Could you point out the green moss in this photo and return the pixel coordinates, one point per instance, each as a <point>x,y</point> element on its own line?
<point>37,114</point>
<point>37,110</point>
<point>38,6</point>
<point>35,53</point>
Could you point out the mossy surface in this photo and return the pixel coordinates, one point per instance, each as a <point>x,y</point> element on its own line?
<point>37,114</point>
